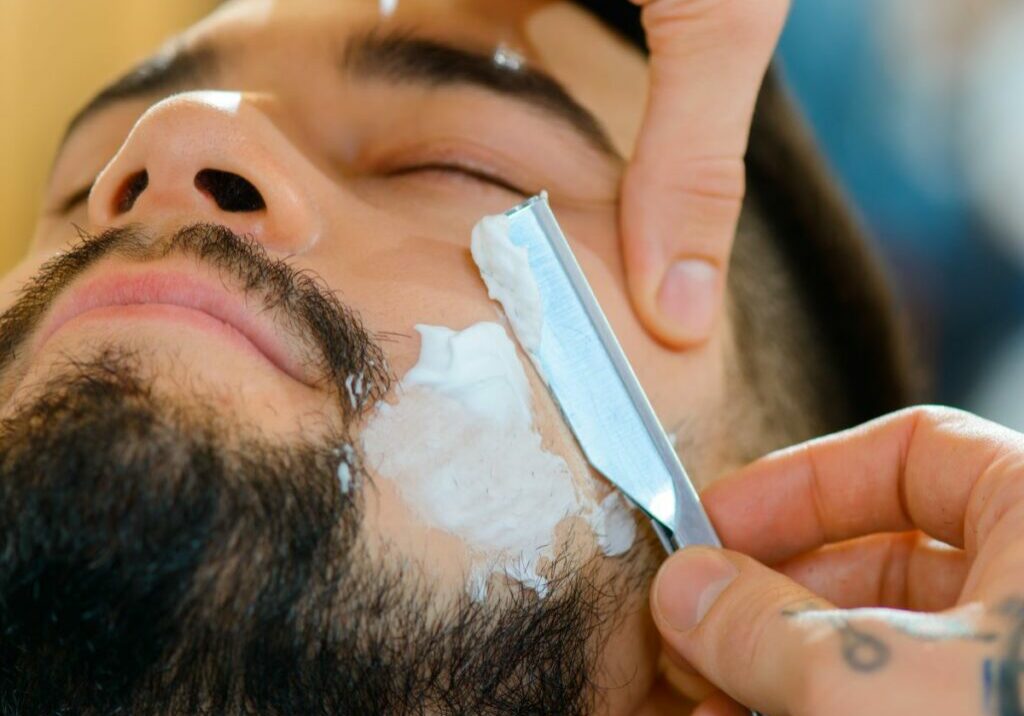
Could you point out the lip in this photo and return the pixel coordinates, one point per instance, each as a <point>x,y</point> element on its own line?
<point>176,296</point>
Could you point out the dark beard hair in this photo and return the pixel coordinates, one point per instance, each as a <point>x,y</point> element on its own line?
<point>158,557</point>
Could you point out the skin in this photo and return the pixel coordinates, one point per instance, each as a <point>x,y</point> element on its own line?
<point>337,148</point>
<point>323,152</point>
<point>708,58</point>
<point>897,584</point>
<point>796,640</point>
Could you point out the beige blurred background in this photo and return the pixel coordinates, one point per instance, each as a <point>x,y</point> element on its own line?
<point>54,54</point>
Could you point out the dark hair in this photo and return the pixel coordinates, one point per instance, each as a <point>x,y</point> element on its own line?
<point>857,368</point>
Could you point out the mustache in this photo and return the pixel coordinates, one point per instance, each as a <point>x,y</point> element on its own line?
<point>339,347</point>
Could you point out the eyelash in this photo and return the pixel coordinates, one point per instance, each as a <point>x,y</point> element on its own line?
<point>72,202</point>
<point>82,195</point>
<point>470,172</point>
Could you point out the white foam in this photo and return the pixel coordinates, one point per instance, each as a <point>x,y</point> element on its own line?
<point>347,455</point>
<point>478,367</point>
<point>344,477</point>
<point>505,268</point>
<point>614,525</point>
<point>462,447</point>
<point>461,443</point>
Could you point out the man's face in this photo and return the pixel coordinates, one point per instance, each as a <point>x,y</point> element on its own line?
<point>367,148</point>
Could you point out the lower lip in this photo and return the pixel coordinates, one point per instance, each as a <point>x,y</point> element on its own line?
<point>168,312</point>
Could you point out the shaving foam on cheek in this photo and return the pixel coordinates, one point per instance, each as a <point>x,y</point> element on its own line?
<point>346,453</point>
<point>505,268</point>
<point>478,368</point>
<point>461,445</point>
<point>614,525</point>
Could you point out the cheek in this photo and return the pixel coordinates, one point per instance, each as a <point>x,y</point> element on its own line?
<point>402,277</point>
<point>419,272</point>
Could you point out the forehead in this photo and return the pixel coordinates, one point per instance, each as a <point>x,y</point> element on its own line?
<point>476,22</point>
<point>602,71</point>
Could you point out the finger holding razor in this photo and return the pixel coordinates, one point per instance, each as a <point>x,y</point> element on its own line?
<point>684,187</point>
<point>863,611</point>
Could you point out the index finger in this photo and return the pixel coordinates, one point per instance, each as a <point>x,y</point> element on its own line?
<point>932,469</point>
<point>683,189</point>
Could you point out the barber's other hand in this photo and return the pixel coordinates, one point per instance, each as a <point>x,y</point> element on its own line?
<point>865,614</point>
<point>684,187</point>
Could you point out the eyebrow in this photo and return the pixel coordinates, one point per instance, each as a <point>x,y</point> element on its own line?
<point>396,57</point>
<point>404,58</point>
<point>172,70</point>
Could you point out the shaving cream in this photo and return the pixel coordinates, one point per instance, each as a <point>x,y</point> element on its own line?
<point>344,477</point>
<point>461,445</point>
<point>614,525</point>
<point>505,269</point>
<point>347,454</point>
<point>357,388</point>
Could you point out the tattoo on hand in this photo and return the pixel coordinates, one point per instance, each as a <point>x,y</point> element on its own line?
<point>861,651</point>
<point>1001,676</point>
<point>866,652</point>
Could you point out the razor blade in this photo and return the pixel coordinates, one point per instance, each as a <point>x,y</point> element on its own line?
<point>596,389</point>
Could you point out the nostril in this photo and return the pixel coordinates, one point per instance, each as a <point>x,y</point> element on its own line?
<point>130,191</point>
<point>230,191</point>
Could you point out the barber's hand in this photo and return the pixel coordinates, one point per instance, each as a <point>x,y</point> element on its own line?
<point>684,187</point>
<point>847,519</point>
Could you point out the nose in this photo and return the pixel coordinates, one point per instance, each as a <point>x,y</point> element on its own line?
<point>211,157</point>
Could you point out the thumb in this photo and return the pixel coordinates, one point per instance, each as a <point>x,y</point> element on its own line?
<point>726,614</point>
<point>683,190</point>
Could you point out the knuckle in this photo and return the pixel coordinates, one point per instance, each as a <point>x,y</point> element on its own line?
<point>930,415</point>
<point>737,641</point>
<point>997,499</point>
<point>988,460</point>
<point>736,20</point>
<point>940,414</point>
<point>721,178</point>
<point>812,682</point>
<point>714,179</point>
<point>760,621</point>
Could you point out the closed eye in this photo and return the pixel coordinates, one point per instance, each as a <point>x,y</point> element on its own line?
<point>470,172</point>
<point>73,201</point>
<point>79,197</point>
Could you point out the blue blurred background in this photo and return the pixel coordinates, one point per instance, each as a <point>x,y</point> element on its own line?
<point>918,105</point>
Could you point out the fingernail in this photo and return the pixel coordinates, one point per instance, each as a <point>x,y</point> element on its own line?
<point>688,295</point>
<point>688,585</point>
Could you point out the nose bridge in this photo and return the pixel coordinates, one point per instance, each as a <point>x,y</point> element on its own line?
<point>209,157</point>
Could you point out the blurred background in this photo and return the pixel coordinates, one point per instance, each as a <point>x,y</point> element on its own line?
<point>54,55</point>
<point>919,105</point>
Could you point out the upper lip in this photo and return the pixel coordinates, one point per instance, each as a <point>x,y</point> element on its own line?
<point>176,288</point>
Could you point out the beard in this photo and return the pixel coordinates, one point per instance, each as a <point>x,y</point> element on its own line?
<point>158,557</point>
